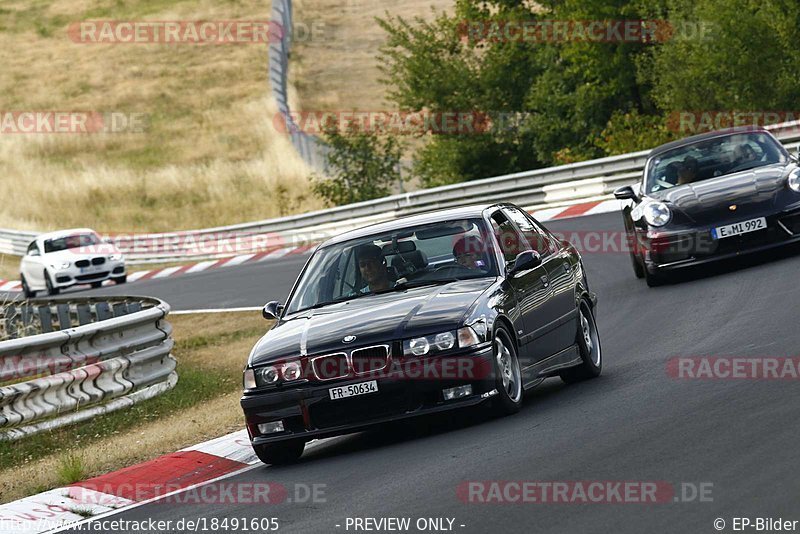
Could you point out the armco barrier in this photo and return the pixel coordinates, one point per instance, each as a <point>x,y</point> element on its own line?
<point>68,360</point>
<point>537,189</point>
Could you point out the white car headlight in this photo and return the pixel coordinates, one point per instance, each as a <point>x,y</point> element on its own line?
<point>657,214</point>
<point>116,257</point>
<point>60,265</point>
<point>794,181</point>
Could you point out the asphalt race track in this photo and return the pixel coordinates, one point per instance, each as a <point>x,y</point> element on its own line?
<point>634,423</point>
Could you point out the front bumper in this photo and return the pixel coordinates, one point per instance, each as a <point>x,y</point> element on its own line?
<point>72,275</point>
<point>669,251</point>
<point>307,412</point>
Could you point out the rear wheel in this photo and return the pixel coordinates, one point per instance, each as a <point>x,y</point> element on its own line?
<point>589,345</point>
<point>284,452</point>
<point>26,290</point>
<point>50,289</point>
<point>508,377</point>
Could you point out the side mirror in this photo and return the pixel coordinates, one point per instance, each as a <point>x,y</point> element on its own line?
<point>272,310</point>
<point>526,260</point>
<point>625,193</point>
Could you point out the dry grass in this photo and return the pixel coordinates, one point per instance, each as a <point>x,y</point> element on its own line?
<point>212,345</point>
<point>340,70</point>
<point>210,154</point>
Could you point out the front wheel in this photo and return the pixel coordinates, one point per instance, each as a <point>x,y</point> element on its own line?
<point>120,279</point>
<point>589,346</point>
<point>653,280</point>
<point>49,285</point>
<point>638,268</point>
<point>508,377</point>
<point>97,284</point>
<point>284,452</point>
<point>26,290</point>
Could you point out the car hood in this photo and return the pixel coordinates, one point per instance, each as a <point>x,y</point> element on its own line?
<point>710,200</point>
<point>372,319</point>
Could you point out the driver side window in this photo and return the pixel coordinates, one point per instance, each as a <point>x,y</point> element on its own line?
<point>511,241</point>
<point>33,250</point>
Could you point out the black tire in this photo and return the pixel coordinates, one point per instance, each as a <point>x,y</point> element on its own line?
<point>97,284</point>
<point>281,453</point>
<point>588,340</point>
<point>120,279</point>
<point>653,280</point>
<point>26,290</point>
<point>508,376</point>
<point>50,289</point>
<point>638,268</point>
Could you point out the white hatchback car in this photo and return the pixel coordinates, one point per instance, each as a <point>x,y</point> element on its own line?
<point>58,260</point>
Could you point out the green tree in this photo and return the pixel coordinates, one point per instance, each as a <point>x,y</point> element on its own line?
<point>360,166</point>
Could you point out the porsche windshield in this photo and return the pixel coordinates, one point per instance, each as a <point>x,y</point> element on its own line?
<point>712,158</point>
<point>423,255</point>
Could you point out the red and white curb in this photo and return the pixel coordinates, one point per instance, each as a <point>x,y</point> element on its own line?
<point>545,214</point>
<point>124,488</point>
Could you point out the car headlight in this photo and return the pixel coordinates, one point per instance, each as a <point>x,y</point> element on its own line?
<point>291,371</point>
<point>272,375</point>
<point>420,346</point>
<point>444,341</point>
<point>657,214</point>
<point>116,257</point>
<point>794,181</point>
<point>61,265</point>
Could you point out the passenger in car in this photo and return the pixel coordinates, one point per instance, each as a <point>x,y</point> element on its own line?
<point>469,252</point>
<point>372,265</point>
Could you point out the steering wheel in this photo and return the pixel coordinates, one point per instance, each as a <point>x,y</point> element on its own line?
<point>453,265</point>
<point>664,183</point>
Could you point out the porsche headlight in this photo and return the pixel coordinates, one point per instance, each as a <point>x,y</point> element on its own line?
<point>657,214</point>
<point>794,181</point>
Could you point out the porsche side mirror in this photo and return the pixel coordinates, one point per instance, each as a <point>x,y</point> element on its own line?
<point>526,260</point>
<point>272,310</point>
<point>625,192</point>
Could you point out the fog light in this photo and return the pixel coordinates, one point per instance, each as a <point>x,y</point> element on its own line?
<point>457,393</point>
<point>271,428</point>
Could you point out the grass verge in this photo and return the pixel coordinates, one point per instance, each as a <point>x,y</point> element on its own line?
<point>211,351</point>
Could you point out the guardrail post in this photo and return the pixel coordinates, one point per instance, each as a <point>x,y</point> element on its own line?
<point>84,314</point>
<point>64,318</point>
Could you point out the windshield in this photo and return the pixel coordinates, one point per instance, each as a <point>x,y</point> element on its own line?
<point>70,241</point>
<point>435,253</point>
<point>711,158</point>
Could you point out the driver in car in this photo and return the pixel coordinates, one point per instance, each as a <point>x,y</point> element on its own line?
<point>372,266</point>
<point>468,252</point>
<point>688,171</point>
<point>743,153</point>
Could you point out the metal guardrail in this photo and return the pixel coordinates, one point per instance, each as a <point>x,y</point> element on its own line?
<point>311,148</point>
<point>541,188</point>
<point>68,360</point>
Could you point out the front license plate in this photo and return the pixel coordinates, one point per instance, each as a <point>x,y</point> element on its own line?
<point>362,388</point>
<point>730,230</point>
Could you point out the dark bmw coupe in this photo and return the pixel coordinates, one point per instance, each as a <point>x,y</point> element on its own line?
<point>708,197</point>
<point>423,314</point>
